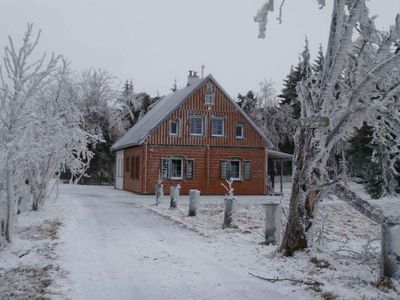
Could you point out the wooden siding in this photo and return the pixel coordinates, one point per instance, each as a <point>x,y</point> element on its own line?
<point>195,105</point>
<point>134,184</point>
<point>207,161</point>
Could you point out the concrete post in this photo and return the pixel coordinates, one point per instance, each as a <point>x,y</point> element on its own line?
<point>390,247</point>
<point>193,202</point>
<point>229,211</point>
<point>174,193</point>
<point>272,222</point>
<point>159,192</point>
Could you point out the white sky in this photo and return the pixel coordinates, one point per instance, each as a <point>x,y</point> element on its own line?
<point>155,41</point>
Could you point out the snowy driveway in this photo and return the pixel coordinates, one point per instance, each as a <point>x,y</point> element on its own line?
<point>115,249</point>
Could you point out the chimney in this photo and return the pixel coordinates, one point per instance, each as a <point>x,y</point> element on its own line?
<point>192,77</point>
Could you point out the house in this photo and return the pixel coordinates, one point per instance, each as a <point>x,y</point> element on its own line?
<point>196,137</point>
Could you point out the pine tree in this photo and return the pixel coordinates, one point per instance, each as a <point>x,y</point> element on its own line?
<point>302,71</point>
<point>247,102</point>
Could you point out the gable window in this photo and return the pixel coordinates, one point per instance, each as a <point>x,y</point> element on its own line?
<point>176,168</point>
<point>209,95</point>
<point>196,125</point>
<point>174,127</point>
<point>239,131</point>
<point>217,127</point>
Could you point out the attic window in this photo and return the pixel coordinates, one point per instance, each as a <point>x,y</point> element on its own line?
<point>239,131</point>
<point>209,95</point>
<point>174,127</point>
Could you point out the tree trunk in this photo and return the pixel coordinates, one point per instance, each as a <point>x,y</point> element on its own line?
<point>9,224</point>
<point>301,208</point>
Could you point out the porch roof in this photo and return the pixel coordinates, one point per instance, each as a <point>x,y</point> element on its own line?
<point>277,155</point>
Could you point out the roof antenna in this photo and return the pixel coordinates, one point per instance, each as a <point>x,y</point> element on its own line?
<point>174,87</point>
<point>202,71</point>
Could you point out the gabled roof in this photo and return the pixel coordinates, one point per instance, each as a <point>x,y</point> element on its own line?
<point>164,108</point>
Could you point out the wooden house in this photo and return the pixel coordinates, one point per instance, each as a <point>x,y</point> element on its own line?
<point>196,137</point>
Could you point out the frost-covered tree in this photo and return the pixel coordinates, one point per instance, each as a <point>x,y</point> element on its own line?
<point>275,121</point>
<point>360,82</point>
<point>38,134</point>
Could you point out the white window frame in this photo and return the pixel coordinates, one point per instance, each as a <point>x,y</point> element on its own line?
<point>240,169</point>
<point>177,128</point>
<point>223,126</point>
<point>241,126</point>
<point>202,125</point>
<point>182,167</point>
<point>209,95</point>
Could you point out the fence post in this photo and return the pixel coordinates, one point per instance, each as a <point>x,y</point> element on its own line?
<point>159,192</point>
<point>193,202</point>
<point>174,193</point>
<point>229,210</point>
<point>272,222</point>
<point>390,247</point>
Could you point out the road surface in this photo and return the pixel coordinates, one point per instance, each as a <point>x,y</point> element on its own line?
<point>112,248</point>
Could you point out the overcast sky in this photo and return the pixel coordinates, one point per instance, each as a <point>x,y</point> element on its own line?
<point>153,42</point>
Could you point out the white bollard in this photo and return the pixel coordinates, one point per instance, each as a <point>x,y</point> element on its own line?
<point>229,211</point>
<point>159,192</point>
<point>193,202</point>
<point>272,223</point>
<point>390,247</point>
<point>174,193</point>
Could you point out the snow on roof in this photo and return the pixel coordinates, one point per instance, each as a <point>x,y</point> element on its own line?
<point>164,108</point>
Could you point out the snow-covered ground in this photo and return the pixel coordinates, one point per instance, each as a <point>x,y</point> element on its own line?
<point>100,243</point>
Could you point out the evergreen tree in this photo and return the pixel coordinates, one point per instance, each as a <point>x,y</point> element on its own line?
<point>247,102</point>
<point>302,71</point>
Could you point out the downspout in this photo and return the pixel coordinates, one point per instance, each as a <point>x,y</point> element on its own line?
<point>266,172</point>
<point>145,168</point>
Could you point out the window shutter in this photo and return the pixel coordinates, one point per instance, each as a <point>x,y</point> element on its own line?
<point>247,169</point>
<point>224,169</point>
<point>137,167</point>
<point>165,168</point>
<point>189,168</point>
<point>133,167</point>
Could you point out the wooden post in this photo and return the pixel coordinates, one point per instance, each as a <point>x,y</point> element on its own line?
<point>281,179</point>
<point>390,247</point>
<point>229,210</point>
<point>193,202</point>
<point>272,222</point>
<point>159,192</point>
<point>174,193</point>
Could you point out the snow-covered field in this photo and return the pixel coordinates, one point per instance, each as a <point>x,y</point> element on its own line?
<point>100,243</point>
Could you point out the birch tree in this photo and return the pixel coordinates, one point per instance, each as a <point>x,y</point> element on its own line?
<point>39,127</point>
<point>360,81</point>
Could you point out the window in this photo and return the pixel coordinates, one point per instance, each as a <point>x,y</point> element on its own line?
<point>217,127</point>
<point>174,127</point>
<point>176,168</point>
<point>196,125</point>
<point>209,95</point>
<point>127,164</point>
<point>239,131</point>
<point>233,169</point>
